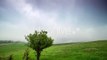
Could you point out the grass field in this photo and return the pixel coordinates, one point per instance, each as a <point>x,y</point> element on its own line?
<point>96,50</point>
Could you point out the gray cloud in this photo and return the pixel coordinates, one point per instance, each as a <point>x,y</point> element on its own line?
<point>52,5</point>
<point>64,20</point>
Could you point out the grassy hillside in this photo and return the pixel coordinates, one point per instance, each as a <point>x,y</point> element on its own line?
<point>96,50</point>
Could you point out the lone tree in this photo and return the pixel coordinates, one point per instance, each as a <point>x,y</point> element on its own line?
<point>39,41</point>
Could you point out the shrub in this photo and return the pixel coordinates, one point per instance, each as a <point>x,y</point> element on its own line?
<point>26,54</point>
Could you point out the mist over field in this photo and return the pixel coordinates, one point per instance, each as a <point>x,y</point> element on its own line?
<point>65,20</point>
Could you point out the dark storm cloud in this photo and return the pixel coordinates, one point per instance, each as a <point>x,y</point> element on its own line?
<point>2,3</point>
<point>98,5</point>
<point>95,12</point>
<point>95,3</point>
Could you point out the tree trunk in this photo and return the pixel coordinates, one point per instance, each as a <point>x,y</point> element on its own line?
<point>38,55</point>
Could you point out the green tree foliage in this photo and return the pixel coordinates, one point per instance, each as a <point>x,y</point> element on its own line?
<point>39,41</point>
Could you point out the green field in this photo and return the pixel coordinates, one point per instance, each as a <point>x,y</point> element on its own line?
<point>96,50</point>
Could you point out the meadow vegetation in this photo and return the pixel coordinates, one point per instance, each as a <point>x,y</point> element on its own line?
<point>96,50</point>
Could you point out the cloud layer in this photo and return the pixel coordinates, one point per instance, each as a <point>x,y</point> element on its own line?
<point>65,20</point>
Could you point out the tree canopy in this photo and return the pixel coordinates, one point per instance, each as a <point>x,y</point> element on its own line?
<point>39,41</point>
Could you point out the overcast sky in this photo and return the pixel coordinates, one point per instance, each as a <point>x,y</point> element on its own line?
<point>65,20</point>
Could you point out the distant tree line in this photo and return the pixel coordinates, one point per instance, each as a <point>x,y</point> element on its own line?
<point>8,41</point>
